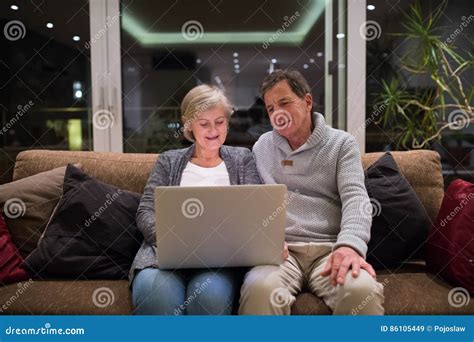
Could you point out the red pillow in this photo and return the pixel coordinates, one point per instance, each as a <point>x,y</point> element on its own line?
<point>10,258</point>
<point>450,246</point>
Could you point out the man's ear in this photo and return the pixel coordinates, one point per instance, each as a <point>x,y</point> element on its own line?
<point>309,102</point>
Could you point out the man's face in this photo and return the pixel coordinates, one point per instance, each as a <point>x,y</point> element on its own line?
<point>289,114</point>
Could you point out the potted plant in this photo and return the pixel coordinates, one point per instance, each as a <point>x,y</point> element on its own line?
<point>417,117</point>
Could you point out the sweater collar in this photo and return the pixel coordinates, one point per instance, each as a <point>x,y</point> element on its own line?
<point>225,155</point>
<point>317,137</point>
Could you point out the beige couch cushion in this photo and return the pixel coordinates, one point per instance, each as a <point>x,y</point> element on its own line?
<point>35,198</point>
<point>127,171</point>
<point>66,297</point>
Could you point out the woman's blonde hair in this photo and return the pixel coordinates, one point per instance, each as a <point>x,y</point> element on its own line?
<point>200,99</point>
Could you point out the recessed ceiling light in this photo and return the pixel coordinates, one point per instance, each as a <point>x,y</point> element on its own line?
<point>236,54</point>
<point>319,54</point>
<point>14,7</point>
<point>76,38</point>
<point>306,66</point>
<point>370,7</point>
<point>274,60</point>
<point>49,25</point>
<point>198,61</point>
<point>340,35</point>
<point>237,71</point>
<point>311,60</point>
<point>236,60</point>
<point>78,94</point>
<point>237,66</point>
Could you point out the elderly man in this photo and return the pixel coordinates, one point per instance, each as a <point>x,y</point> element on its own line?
<point>328,221</point>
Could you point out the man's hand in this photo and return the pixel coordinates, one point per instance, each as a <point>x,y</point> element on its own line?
<point>339,263</point>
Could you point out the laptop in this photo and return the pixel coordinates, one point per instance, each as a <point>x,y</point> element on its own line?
<point>220,226</point>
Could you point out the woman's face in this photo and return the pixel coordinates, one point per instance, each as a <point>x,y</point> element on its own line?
<point>210,128</point>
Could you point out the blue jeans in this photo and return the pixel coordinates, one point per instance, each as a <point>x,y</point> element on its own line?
<point>185,292</point>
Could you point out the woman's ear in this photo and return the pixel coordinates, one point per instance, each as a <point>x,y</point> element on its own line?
<point>186,123</point>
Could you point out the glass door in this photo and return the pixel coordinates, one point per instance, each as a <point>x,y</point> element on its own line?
<point>168,47</point>
<point>45,83</point>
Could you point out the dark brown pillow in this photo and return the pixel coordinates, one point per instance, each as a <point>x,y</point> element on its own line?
<point>27,205</point>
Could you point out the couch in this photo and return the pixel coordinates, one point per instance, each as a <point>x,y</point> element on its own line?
<point>409,289</point>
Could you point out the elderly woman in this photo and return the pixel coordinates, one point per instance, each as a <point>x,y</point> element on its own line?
<point>205,114</point>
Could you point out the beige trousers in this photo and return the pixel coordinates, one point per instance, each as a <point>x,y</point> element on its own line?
<point>272,290</point>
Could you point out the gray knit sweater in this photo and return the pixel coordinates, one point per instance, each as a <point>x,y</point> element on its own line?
<point>328,198</point>
<point>240,164</point>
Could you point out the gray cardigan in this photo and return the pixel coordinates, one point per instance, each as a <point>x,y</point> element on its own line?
<point>240,164</point>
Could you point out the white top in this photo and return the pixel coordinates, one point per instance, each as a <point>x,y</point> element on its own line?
<point>194,175</point>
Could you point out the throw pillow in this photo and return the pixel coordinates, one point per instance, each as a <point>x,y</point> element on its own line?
<point>450,246</point>
<point>10,259</point>
<point>400,222</point>
<point>92,234</point>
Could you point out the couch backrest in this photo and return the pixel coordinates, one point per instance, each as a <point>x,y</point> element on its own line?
<point>130,171</point>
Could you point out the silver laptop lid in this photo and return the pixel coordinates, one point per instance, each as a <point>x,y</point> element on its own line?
<point>220,226</point>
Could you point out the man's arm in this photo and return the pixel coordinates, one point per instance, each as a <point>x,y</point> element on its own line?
<point>351,245</point>
<point>356,218</point>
